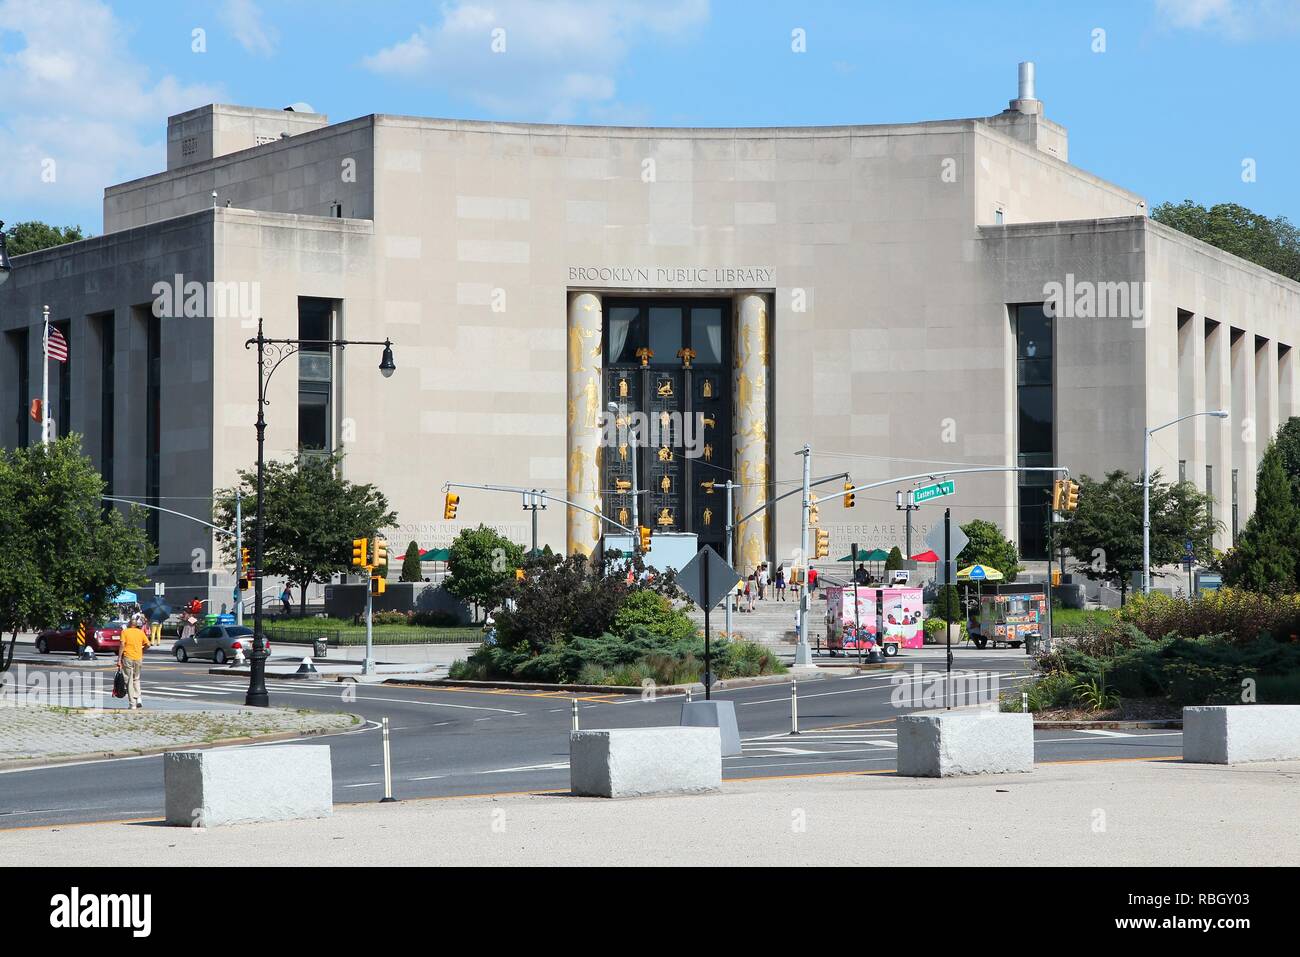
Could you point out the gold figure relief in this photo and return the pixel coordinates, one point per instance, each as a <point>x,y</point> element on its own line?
<point>666,483</point>
<point>708,486</point>
<point>707,516</point>
<point>707,389</point>
<point>622,516</point>
<point>665,517</point>
<point>686,354</point>
<point>576,346</point>
<point>665,419</point>
<point>665,454</point>
<point>708,451</point>
<point>622,388</point>
<point>665,388</point>
<point>645,354</point>
<point>622,452</point>
<point>707,420</point>
<point>591,399</point>
<point>622,485</point>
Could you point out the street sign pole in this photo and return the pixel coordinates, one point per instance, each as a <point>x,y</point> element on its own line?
<point>857,623</point>
<point>708,662</point>
<point>802,652</point>
<point>947,582</point>
<point>731,559</point>
<point>239,555</point>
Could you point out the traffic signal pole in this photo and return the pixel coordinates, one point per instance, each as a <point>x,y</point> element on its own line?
<point>239,556</point>
<point>802,650</point>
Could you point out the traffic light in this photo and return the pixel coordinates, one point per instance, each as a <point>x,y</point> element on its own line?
<point>449,508</point>
<point>359,549</point>
<point>1071,495</point>
<point>814,516</point>
<point>1058,494</point>
<point>377,585</point>
<point>380,558</point>
<point>848,496</point>
<point>245,569</point>
<point>823,544</point>
<point>644,533</point>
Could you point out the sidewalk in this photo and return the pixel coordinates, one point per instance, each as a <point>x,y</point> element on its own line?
<point>1127,813</point>
<point>35,732</point>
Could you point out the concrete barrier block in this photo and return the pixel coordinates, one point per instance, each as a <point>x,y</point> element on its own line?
<point>1227,734</point>
<point>630,762</point>
<point>247,784</point>
<point>715,714</point>
<point>961,742</point>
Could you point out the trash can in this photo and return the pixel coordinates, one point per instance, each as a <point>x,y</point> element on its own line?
<point>319,647</point>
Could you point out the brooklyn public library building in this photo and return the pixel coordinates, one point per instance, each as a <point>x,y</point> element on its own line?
<point>875,292</point>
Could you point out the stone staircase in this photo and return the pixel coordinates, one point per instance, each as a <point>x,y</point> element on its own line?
<point>771,622</point>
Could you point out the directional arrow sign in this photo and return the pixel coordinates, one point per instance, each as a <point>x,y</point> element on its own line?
<point>707,578</point>
<point>928,492</point>
<point>935,541</point>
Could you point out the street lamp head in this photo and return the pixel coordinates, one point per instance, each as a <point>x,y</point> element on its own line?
<point>5,267</point>
<point>386,365</point>
<point>1220,413</point>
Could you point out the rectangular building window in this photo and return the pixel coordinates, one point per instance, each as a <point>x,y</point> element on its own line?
<point>153,423</point>
<point>1035,433</point>
<point>1234,507</point>
<point>315,375</point>
<point>1182,471</point>
<point>107,376</point>
<point>63,424</point>
<point>21,397</point>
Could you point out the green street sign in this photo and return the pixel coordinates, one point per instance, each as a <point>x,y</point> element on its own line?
<point>933,491</point>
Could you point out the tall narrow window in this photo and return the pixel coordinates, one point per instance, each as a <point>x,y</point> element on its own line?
<point>1235,512</point>
<point>153,423</point>
<point>315,375</point>
<point>107,375</point>
<point>1035,435</point>
<point>1182,471</point>
<point>21,396</point>
<point>64,410</point>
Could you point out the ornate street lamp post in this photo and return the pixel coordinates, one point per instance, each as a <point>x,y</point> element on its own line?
<point>270,353</point>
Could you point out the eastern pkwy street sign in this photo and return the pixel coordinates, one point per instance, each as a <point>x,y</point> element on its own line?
<point>707,578</point>
<point>928,492</point>
<point>935,541</point>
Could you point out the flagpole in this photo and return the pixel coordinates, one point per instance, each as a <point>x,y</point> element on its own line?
<point>45,386</point>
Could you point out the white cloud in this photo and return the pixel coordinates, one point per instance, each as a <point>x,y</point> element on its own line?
<point>1235,19</point>
<point>560,58</point>
<point>243,18</point>
<point>74,96</point>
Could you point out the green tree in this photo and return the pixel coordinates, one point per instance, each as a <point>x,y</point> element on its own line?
<point>312,513</point>
<point>988,546</point>
<point>30,236</point>
<point>62,554</point>
<point>481,566</point>
<point>1264,558</point>
<point>894,559</point>
<point>1272,243</point>
<point>411,571</point>
<point>1104,536</point>
<point>1287,442</point>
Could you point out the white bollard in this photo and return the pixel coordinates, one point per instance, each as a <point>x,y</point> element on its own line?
<point>575,714</point>
<point>388,768</point>
<point>688,695</point>
<point>1024,701</point>
<point>794,706</point>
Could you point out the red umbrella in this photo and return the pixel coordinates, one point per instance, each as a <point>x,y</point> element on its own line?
<point>927,556</point>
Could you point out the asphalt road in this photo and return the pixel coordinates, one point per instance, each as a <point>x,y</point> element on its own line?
<point>448,741</point>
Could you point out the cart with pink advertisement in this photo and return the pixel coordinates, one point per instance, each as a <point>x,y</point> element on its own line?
<point>897,615</point>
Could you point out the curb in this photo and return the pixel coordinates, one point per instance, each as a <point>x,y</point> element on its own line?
<point>19,763</point>
<point>1169,724</point>
<point>730,683</point>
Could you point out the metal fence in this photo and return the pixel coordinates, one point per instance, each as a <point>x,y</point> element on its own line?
<point>383,635</point>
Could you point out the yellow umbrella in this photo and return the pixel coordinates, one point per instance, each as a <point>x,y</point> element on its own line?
<point>980,573</point>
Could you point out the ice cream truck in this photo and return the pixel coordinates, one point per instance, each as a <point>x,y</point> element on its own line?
<point>891,617</point>
<point>1010,614</point>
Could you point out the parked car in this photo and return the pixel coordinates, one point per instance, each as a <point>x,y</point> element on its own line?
<point>104,636</point>
<point>218,642</point>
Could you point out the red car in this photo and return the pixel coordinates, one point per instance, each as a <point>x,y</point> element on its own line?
<point>104,637</point>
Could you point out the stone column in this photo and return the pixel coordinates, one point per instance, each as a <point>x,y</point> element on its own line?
<point>749,388</point>
<point>586,364</point>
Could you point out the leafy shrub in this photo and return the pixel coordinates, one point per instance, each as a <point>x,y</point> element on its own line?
<point>1243,615</point>
<point>391,618</point>
<point>653,612</point>
<point>1095,695</point>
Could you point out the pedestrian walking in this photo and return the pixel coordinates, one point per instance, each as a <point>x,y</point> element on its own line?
<point>286,599</point>
<point>762,581</point>
<point>780,583</point>
<point>751,588</point>
<point>130,659</point>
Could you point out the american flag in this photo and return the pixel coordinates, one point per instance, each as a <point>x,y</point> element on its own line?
<point>56,347</point>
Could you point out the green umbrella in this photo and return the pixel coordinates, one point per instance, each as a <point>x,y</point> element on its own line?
<point>875,555</point>
<point>436,555</point>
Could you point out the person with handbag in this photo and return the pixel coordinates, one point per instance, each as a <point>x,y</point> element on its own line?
<point>130,659</point>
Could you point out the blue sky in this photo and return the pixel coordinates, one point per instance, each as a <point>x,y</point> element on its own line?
<point>1183,92</point>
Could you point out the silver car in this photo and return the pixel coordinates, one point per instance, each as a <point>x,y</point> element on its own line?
<point>218,642</point>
